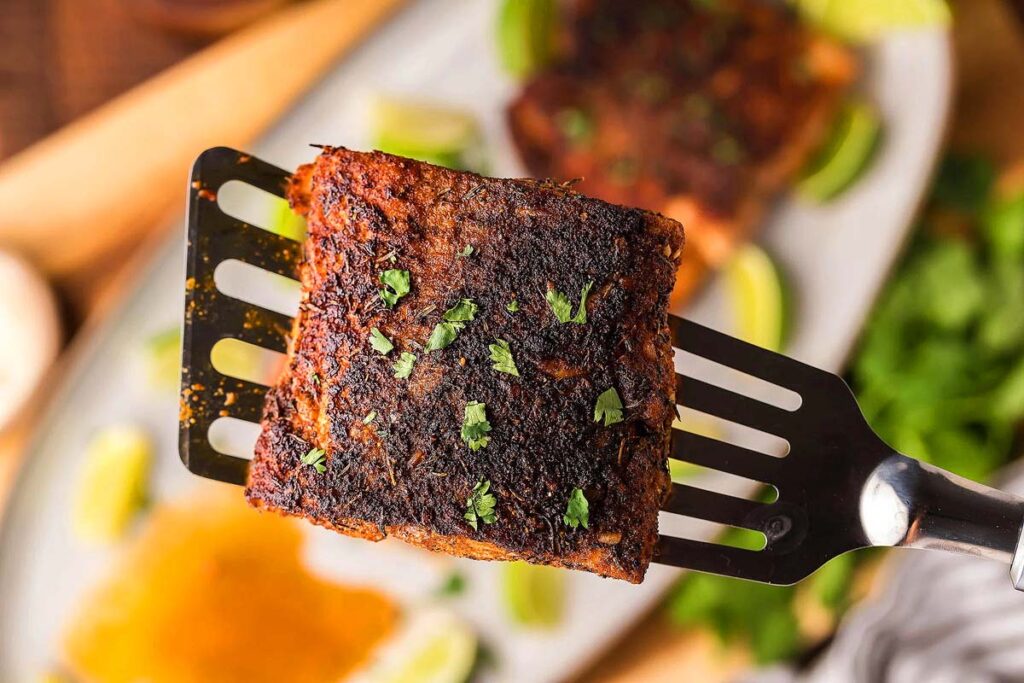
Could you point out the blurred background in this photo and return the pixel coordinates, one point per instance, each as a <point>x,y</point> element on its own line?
<point>850,174</point>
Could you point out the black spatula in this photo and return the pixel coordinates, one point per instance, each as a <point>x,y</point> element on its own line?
<point>839,487</point>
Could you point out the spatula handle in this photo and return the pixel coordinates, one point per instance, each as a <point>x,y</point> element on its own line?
<point>908,503</point>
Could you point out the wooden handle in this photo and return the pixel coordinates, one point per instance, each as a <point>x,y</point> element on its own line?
<point>97,183</point>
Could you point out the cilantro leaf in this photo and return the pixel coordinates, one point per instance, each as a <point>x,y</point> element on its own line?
<point>380,343</point>
<point>454,320</point>
<point>562,309</point>
<point>403,366</point>
<point>560,305</point>
<point>512,306</point>
<point>577,511</point>
<point>454,585</point>
<point>501,354</point>
<point>370,417</point>
<point>475,426</point>
<point>466,252</point>
<point>464,311</point>
<point>442,335</point>
<point>315,458</point>
<point>609,407</point>
<point>396,285</point>
<point>581,314</point>
<point>480,505</point>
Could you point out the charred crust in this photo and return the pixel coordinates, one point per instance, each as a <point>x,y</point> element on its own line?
<point>408,473</point>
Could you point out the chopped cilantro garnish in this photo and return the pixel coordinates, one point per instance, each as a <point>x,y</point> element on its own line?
<point>466,252</point>
<point>512,306</point>
<point>562,309</point>
<point>454,585</point>
<point>501,354</point>
<point>396,285</point>
<point>559,305</point>
<point>442,335</point>
<point>316,379</point>
<point>403,366</point>
<point>577,511</point>
<point>475,426</point>
<point>454,320</point>
<point>315,458</point>
<point>480,505</point>
<point>380,343</point>
<point>609,407</point>
<point>370,417</point>
<point>464,311</point>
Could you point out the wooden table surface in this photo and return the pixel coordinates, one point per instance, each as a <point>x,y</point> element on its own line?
<point>54,81</point>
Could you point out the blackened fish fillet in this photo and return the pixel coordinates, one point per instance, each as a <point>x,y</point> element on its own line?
<point>704,111</point>
<point>395,463</point>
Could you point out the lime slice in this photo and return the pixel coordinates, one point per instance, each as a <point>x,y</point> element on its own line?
<point>534,595</point>
<point>434,646</point>
<point>525,35</point>
<point>845,156</point>
<point>863,20</point>
<point>425,131</point>
<point>163,358</point>
<point>757,294</point>
<point>112,488</point>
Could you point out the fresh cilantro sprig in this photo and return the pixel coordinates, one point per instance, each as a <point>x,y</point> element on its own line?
<point>453,321</point>
<point>403,366</point>
<point>608,407</point>
<point>480,505</point>
<point>315,459</point>
<point>562,309</point>
<point>577,511</point>
<point>501,354</point>
<point>396,285</point>
<point>475,426</point>
<point>380,343</point>
<point>466,252</point>
<point>512,306</point>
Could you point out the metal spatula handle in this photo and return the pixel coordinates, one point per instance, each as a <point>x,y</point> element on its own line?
<point>908,503</point>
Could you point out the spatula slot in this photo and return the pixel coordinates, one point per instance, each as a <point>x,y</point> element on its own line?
<point>236,358</point>
<point>260,208</point>
<point>231,436</point>
<point>692,528</point>
<point>259,287</point>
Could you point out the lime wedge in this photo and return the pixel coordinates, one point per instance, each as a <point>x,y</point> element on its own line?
<point>163,358</point>
<point>845,156</point>
<point>525,35</point>
<point>534,595</point>
<point>434,646</point>
<point>757,294</point>
<point>112,488</point>
<point>863,20</point>
<point>423,130</point>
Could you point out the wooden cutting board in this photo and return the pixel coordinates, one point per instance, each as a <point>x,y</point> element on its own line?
<point>78,224</point>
